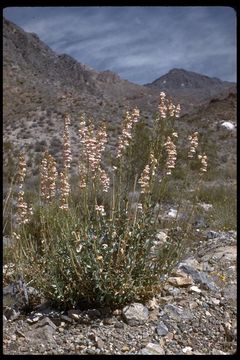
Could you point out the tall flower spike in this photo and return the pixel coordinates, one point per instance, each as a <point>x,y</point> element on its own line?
<point>162,107</point>
<point>147,174</point>
<point>23,211</point>
<point>44,177</point>
<point>67,157</point>
<point>145,179</point>
<point>52,177</point>
<point>104,179</point>
<point>204,164</point>
<point>64,190</point>
<point>100,209</point>
<point>48,177</point>
<point>82,176</point>
<point>167,108</point>
<point>126,135</point>
<point>171,155</point>
<point>21,170</point>
<point>193,144</point>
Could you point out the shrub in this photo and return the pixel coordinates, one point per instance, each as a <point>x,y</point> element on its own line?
<point>95,247</point>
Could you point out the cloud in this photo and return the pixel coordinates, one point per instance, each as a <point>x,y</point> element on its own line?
<point>139,43</point>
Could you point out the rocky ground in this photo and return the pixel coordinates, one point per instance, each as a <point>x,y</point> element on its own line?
<point>194,314</point>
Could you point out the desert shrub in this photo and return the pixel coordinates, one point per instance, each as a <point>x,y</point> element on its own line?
<point>94,247</point>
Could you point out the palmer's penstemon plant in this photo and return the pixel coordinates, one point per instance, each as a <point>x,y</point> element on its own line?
<point>98,249</point>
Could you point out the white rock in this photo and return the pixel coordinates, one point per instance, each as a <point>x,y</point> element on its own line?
<point>195,289</point>
<point>205,206</point>
<point>187,350</point>
<point>152,349</point>
<point>172,213</point>
<point>215,301</point>
<point>228,125</point>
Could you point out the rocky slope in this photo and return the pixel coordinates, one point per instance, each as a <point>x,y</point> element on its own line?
<point>40,85</point>
<point>195,314</point>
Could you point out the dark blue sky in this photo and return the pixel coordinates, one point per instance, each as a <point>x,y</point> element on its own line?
<point>140,43</point>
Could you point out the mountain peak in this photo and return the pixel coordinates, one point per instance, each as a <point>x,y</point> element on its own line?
<point>178,78</point>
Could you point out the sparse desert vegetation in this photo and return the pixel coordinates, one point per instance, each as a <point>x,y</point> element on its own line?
<point>99,230</point>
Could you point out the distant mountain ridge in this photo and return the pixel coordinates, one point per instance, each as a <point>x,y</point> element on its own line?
<point>29,64</point>
<point>180,78</point>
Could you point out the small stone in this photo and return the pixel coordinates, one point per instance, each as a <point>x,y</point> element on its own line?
<point>169,336</point>
<point>74,314</point>
<point>135,314</point>
<point>208,313</point>
<point>152,349</point>
<point>108,321</point>
<point>125,348</point>
<point>162,329</point>
<point>193,305</point>
<point>195,289</point>
<point>212,234</point>
<point>215,301</point>
<point>99,343</point>
<point>180,281</point>
<point>171,290</point>
<point>61,329</point>
<point>91,351</point>
<point>187,350</point>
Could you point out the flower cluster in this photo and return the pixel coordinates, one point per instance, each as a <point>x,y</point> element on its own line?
<point>82,176</point>
<point>126,135</point>
<point>64,190</point>
<point>193,144</point>
<point>67,157</point>
<point>92,144</point>
<point>203,159</point>
<point>104,179</point>
<point>48,177</point>
<point>167,108</point>
<point>23,211</point>
<point>145,179</point>
<point>171,155</point>
<point>21,170</point>
<point>147,174</point>
<point>100,209</point>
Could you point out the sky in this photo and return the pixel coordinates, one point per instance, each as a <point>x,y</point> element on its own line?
<point>139,43</point>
